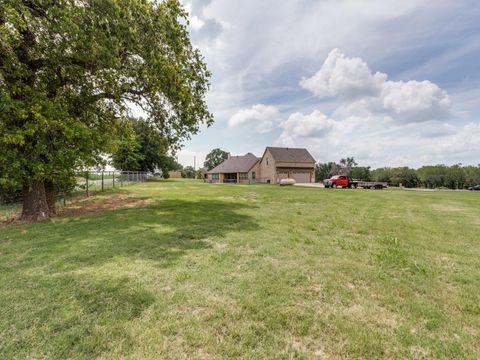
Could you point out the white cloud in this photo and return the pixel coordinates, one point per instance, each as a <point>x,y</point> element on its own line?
<point>415,100</point>
<point>344,77</point>
<point>263,118</point>
<point>299,126</point>
<point>374,116</point>
<point>363,92</point>
<point>196,23</point>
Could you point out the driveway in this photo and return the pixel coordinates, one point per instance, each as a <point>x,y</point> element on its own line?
<point>317,185</point>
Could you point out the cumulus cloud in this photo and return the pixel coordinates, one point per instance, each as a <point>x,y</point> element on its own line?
<point>298,126</point>
<point>263,118</point>
<point>372,113</point>
<point>363,92</point>
<point>344,77</point>
<point>415,100</point>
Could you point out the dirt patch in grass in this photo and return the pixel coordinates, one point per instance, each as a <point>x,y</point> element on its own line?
<point>95,205</point>
<point>89,206</point>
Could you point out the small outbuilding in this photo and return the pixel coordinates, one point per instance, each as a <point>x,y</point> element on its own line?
<point>175,174</point>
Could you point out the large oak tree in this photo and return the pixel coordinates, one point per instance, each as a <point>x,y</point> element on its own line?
<point>70,69</point>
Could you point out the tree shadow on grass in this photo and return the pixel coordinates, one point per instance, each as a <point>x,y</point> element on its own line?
<point>161,232</point>
<point>74,299</point>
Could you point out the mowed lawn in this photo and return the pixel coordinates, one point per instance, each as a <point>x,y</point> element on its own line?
<point>252,271</point>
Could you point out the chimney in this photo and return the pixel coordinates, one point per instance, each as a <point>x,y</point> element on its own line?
<point>228,155</point>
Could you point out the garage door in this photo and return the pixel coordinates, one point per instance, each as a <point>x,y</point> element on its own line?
<point>301,176</point>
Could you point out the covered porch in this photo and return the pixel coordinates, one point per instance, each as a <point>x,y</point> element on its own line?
<point>230,178</point>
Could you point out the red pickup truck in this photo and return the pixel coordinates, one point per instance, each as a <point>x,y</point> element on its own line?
<point>343,181</point>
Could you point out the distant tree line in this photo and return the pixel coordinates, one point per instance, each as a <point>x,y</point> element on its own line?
<point>430,176</point>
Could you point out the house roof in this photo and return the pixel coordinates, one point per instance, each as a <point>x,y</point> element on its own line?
<point>291,154</point>
<point>234,164</point>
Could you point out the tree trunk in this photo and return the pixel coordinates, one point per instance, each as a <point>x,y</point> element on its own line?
<point>51,196</point>
<point>35,206</point>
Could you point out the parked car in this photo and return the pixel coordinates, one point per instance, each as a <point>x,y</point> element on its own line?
<point>474,188</point>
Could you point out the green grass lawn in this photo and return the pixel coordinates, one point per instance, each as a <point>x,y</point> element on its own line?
<point>247,271</point>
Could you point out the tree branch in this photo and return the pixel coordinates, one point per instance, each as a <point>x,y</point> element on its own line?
<point>36,9</point>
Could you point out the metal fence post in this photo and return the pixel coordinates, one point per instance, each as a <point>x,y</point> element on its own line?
<point>102,180</point>
<point>86,179</point>
<point>114,179</point>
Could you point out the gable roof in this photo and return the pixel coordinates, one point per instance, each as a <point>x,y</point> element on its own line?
<point>234,164</point>
<point>290,154</point>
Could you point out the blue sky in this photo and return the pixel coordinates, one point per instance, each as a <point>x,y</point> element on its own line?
<point>390,83</point>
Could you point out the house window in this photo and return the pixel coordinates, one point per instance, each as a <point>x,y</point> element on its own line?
<point>253,175</point>
<point>267,160</point>
<point>243,176</point>
<point>215,176</point>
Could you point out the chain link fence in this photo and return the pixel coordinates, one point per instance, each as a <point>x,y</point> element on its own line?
<point>91,182</point>
<point>86,184</point>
